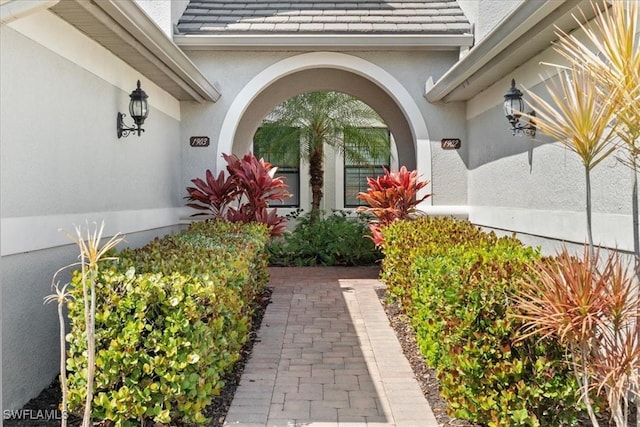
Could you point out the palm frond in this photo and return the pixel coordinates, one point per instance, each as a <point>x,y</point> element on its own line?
<point>323,116</point>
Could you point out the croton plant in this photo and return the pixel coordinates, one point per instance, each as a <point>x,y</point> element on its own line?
<point>391,197</point>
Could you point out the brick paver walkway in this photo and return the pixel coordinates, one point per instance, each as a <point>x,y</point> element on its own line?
<point>327,357</point>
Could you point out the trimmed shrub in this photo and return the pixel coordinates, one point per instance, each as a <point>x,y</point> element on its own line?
<point>456,283</point>
<point>171,320</point>
<point>230,253</point>
<point>335,239</point>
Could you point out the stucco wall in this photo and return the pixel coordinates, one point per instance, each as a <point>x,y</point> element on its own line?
<point>62,164</point>
<point>165,13</point>
<point>486,14</point>
<point>537,186</point>
<point>232,71</point>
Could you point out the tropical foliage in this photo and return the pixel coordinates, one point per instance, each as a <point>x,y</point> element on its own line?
<point>84,290</point>
<point>456,282</point>
<point>334,239</point>
<point>591,307</point>
<point>170,321</point>
<point>580,118</point>
<point>391,197</point>
<point>250,185</point>
<point>325,118</point>
<point>593,310</point>
<point>598,96</point>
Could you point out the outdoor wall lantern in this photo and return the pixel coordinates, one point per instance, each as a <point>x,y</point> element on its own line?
<point>138,109</point>
<point>513,107</point>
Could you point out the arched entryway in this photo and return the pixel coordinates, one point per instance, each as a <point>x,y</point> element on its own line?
<point>320,71</point>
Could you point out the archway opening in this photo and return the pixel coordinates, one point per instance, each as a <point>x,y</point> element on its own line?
<point>329,71</point>
<point>325,144</point>
<point>327,79</point>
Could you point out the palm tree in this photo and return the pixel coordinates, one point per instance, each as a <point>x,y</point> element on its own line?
<point>325,118</point>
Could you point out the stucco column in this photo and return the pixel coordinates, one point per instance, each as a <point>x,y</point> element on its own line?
<point>423,166</point>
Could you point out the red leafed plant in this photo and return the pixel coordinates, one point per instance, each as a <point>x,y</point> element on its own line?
<point>390,197</point>
<point>212,194</point>
<point>251,184</point>
<point>593,309</point>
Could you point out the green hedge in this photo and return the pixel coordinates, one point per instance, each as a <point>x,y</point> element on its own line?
<point>456,283</point>
<point>171,320</point>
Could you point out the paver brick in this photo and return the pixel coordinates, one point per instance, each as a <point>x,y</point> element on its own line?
<point>327,366</point>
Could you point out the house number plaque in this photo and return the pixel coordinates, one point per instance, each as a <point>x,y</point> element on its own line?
<point>199,141</point>
<point>451,144</point>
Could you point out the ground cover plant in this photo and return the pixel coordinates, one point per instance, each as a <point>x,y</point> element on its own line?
<point>456,283</point>
<point>333,239</point>
<point>170,321</point>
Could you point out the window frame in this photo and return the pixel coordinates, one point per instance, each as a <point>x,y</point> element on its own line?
<point>363,183</point>
<point>285,172</point>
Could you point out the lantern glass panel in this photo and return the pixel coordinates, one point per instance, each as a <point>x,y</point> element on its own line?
<point>138,109</point>
<point>513,108</point>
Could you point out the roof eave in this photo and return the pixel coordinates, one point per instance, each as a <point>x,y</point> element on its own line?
<point>518,36</point>
<point>12,10</point>
<point>324,41</point>
<point>159,55</point>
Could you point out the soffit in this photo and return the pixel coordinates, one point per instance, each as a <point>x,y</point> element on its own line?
<point>529,30</point>
<point>124,29</point>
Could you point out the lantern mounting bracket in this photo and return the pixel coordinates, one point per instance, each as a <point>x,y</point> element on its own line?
<point>529,129</point>
<point>124,130</point>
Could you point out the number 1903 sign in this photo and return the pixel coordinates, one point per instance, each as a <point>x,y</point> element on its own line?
<point>199,141</point>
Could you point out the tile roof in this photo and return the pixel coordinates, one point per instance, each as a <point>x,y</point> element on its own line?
<point>323,16</point>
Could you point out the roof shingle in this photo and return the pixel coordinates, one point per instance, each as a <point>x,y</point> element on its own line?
<point>327,16</point>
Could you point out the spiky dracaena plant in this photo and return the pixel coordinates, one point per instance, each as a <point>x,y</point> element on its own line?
<point>580,118</point>
<point>391,197</point>
<point>612,59</point>
<point>213,194</point>
<point>257,186</point>
<point>593,311</point>
<point>614,62</point>
<point>91,254</point>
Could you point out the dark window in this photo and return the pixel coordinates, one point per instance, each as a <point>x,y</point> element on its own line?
<point>284,156</point>
<point>356,173</point>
